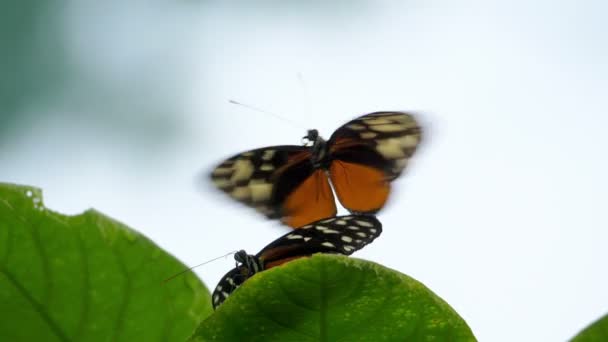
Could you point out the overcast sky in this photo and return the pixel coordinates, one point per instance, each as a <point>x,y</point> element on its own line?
<point>501,213</point>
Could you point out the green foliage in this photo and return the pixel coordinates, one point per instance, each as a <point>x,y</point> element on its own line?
<point>596,332</point>
<point>333,298</point>
<point>87,278</point>
<point>90,278</point>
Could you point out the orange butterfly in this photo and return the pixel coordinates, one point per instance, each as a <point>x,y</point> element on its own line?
<point>291,182</point>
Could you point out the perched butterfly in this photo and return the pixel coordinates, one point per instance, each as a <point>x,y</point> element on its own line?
<point>337,235</point>
<point>291,183</point>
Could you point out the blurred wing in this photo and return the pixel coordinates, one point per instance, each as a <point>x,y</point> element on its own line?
<point>229,282</point>
<point>369,152</point>
<point>250,177</point>
<point>305,200</point>
<point>279,182</point>
<point>338,235</point>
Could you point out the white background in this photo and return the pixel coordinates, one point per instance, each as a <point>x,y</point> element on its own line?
<point>502,213</point>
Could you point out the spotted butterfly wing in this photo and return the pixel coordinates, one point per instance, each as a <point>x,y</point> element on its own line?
<point>369,152</point>
<point>336,235</point>
<point>279,182</point>
<point>291,182</point>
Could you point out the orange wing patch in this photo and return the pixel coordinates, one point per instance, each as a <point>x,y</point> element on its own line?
<point>310,201</point>
<point>359,188</point>
<point>280,262</point>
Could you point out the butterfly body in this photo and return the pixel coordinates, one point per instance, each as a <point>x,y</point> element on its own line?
<point>336,235</point>
<point>291,182</point>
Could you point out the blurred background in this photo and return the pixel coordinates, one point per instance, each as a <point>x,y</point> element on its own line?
<point>123,106</point>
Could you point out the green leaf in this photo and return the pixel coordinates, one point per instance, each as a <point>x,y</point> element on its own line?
<point>87,278</point>
<point>333,298</point>
<point>597,331</point>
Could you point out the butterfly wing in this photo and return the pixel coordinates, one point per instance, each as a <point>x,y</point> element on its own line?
<point>369,152</point>
<point>337,235</point>
<point>229,282</point>
<point>278,181</point>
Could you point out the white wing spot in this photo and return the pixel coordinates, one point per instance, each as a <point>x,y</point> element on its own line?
<point>399,117</point>
<point>241,192</point>
<point>410,141</point>
<point>326,230</point>
<point>368,135</point>
<point>364,223</point>
<point>361,234</point>
<point>341,222</point>
<point>222,171</point>
<point>266,167</point>
<point>306,239</point>
<point>330,231</point>
<point>222,183</point>
<point>346,238</point>
<point>268,154</point>
<point>388,128</point>
<point>406,120</point>
<point>348,248</point>
<point>353,228</point>
<point>260,192</point>
<point>328,244</point>
<point>328,220</point>
<point>294,236</point>
<point>243,169</point>
<point>377,120</point>
<point>356,127</point>
<point>390,148</point>
<point>373,230</point>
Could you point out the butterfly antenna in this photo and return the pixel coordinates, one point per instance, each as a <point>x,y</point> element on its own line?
<point>291,122</point>
<point>193,267</point>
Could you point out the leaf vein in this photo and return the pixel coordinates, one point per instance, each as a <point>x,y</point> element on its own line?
<point>119,327</point>
<point>39,308</point>
<point>278,323</point>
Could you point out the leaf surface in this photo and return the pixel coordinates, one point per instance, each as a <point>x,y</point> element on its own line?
<point>333,298</point>
<point>595,332</point>
<point>87,278</point>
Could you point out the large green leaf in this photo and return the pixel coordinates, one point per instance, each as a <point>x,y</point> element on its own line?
<point>333,298</point>
<point>87,278</point>
<point>596,332</point>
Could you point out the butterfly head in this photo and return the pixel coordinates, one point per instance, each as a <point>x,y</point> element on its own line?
<point>252,263</point>
<point>317,144</point>
<point>311,137</point>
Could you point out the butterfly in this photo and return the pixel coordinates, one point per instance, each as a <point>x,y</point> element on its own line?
<point>290,182</point>
<point>337,235</point>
